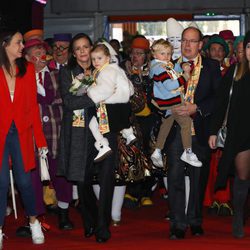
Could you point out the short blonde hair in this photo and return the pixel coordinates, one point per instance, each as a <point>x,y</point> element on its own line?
<point>161,42</point>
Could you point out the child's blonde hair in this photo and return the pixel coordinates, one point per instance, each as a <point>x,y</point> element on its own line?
<point>161,42</point>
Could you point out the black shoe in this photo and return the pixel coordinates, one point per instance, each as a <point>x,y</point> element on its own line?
<point>238,226</point>
<point>214,209</point>
<point>24,232</point>
<point>197,230</point>
<point>52,209</point>
<point>88,233</point>
<point>176,234</point>
<point>225,210</point>
<point>63,217</point>
<point>101,239</point>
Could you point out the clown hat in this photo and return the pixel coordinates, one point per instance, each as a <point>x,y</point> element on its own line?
<point>194,24</point>
<point>35,42</point>
<point>174,29</point>
<point>227,35</point>
<point>62,37</point>
<point>33,34</point>
<point>219,40</point>
<point>140,43</point>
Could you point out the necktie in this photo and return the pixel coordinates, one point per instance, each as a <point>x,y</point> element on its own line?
<point>40,76</point>
<point>191,63</point>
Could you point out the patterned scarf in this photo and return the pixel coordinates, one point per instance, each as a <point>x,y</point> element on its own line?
<point>102,113</point>
<point>193,80</point>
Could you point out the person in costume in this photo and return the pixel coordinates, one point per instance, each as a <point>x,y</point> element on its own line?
<point>137,70</point>
<point>218,203</point>
<point>229,37</point>
<point>50,105</point>
<point>174,30</point>
<point>60,50</point>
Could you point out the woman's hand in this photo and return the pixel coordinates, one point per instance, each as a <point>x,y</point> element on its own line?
<point>185,110</point>
<point>212,141</point>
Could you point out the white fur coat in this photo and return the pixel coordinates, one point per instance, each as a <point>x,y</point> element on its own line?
<point>112,86</point>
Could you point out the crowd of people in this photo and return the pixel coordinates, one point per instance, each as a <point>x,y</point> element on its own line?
<point>117,123</point>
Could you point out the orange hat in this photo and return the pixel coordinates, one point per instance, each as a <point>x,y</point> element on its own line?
<point>140,43</point>
<point>35,33</point>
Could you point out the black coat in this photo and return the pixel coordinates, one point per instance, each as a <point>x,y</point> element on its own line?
<point>238,122</point>
<point>76,150</point>
<point>204,97</point>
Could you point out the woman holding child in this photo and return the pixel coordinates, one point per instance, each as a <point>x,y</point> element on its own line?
<point>77,150</point>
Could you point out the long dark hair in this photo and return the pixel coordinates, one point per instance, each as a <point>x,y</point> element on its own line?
<point>244,65</point>
<point>5,39</point>
<point>72,60</point>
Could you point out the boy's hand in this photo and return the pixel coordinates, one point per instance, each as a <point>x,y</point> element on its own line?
<point>186,67</point>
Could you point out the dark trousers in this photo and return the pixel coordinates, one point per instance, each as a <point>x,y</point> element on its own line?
<point>98,215</point>
<point>22,178</point>
<point>176,182</point>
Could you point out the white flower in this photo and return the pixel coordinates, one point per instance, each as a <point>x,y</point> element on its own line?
<point>80,76</point>
<point>76,83</point>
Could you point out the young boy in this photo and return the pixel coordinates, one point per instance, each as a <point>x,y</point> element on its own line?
<point>168,91</point>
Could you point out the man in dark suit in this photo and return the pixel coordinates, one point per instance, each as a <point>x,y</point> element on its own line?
<point>199,98</point>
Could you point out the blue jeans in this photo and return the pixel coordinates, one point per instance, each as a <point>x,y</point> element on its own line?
<point>22,178</point>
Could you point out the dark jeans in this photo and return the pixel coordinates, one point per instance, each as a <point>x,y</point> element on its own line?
<point>176,182</point>
<point>95,215</point>
<point>22,178</point>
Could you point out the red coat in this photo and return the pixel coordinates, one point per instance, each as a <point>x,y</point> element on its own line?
<point>25,113</point>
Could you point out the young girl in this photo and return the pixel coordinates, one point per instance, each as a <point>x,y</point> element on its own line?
<point>167,91</point>
<point>111,92</point>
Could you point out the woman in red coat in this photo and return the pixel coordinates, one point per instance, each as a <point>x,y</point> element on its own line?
<point>20,125</point>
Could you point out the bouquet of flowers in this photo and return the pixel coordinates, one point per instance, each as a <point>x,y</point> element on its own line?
<point>80,84</point>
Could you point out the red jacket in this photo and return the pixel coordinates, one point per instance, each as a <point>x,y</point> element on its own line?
<point>24,112</point>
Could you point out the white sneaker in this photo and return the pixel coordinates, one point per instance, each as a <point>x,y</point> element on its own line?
<point>128,134</point>
<point>191,159</point>
<point>130,139</point>
<point>104,151</point>
<point>1,239</point>
<point>156,158</point>
<point>36,232</point>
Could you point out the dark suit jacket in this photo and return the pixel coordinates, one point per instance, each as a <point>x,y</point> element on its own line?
<point>210,77</point>
<point>204,97</point>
